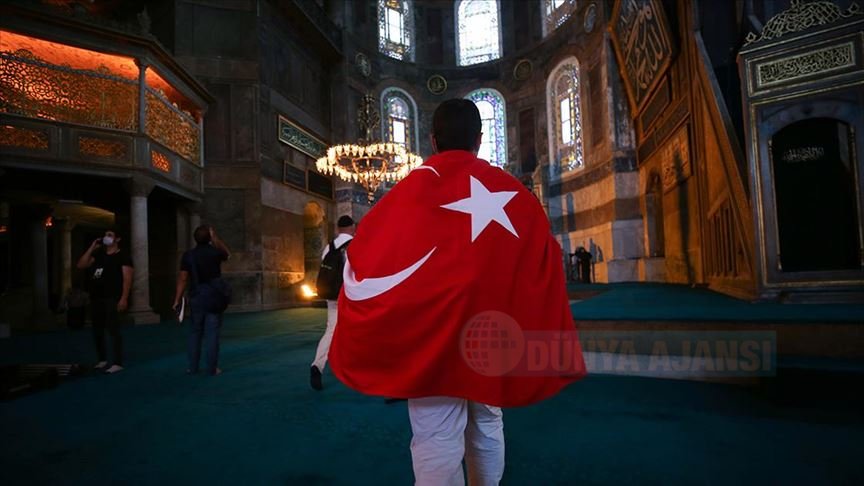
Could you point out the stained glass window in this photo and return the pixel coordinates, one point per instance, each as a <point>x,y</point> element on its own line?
<point>565,116</point>
<point>555,13</point>
<point>396,29</point>
<point>493,115</point>
<point>400,118</point>
<point>479,36</point>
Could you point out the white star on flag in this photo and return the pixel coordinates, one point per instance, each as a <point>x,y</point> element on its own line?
<point>484,207</point>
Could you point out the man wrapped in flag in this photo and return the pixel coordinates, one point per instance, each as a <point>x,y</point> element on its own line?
<point>454,299</point>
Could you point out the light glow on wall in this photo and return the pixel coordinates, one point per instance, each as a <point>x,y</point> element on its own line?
<point>69,56</point>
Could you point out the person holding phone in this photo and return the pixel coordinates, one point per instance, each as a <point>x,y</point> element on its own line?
<point>110,283</point>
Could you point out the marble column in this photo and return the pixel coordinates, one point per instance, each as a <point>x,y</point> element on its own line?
<point>139,244</point>
<point>42,316</point>
<point>351,201</point>
<point>5,328</point>
<point>188,218</point>
<point>194,220</point>
<point>142,95</point>
<point>66,228</point>
<point>182,222</point>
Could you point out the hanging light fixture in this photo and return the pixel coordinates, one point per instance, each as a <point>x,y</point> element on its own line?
<point>368,162</point>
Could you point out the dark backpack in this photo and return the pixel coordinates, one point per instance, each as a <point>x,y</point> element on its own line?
<point>329,281</point>
<point>218,295</point>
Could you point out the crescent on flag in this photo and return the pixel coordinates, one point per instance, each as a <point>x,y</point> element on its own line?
<point>442,276</point>
<point>375,286</point>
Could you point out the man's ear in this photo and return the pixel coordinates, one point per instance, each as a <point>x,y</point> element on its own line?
<point>478,142</point>
<point>434,143</point>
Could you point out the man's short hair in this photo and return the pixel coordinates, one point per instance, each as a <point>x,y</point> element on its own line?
<point>112,229</point>
<point>456,125</point>
<point>202,234</point>
<point>344,222</point>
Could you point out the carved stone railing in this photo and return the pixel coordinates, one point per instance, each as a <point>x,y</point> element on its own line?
<point>33,88</point>
<point>172,127</point>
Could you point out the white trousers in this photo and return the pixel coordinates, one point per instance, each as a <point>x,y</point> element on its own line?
<point>324,343</point>
<point>447,429</point>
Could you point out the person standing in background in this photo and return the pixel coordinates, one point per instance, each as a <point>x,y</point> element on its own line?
<point>110,284</point>
<point>329,285</point>
<point>204,263</point>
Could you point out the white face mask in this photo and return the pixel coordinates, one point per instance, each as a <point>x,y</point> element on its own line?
<point>107,240</point>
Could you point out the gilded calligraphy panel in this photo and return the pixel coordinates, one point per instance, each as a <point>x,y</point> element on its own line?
<point>817,62</point>
<point>643,46</point>
<point>296,137</point>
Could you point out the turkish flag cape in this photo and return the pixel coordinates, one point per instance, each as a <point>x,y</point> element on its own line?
<point>454,286</point>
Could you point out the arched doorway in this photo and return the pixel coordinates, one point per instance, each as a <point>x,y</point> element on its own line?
<point>314,238</point>
<point>815,196</point>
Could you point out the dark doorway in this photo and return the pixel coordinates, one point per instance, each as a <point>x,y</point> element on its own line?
<point>164,249</point>
<point>816,198</point>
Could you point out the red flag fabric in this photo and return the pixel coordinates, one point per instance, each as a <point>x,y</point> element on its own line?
<point>454,286</point>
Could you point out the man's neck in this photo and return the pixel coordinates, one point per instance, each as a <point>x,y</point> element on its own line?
<point>112,250</point>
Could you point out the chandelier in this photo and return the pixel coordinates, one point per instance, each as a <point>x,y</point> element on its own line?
<point>368,162</point>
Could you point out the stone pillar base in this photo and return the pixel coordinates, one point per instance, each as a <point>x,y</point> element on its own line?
<point>144,317</point>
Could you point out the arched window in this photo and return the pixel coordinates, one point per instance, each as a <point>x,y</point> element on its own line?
<point>565,116</point>
<point>555,13</point>
<point>400,118</point>
<point>493,115</point>
<point>396,29</point>
<point>478,36</point>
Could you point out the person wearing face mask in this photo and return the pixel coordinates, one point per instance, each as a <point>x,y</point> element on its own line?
<point>111,272</point>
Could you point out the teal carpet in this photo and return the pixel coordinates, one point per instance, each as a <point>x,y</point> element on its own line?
<point>639,301</point>
<point>259,423</point>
